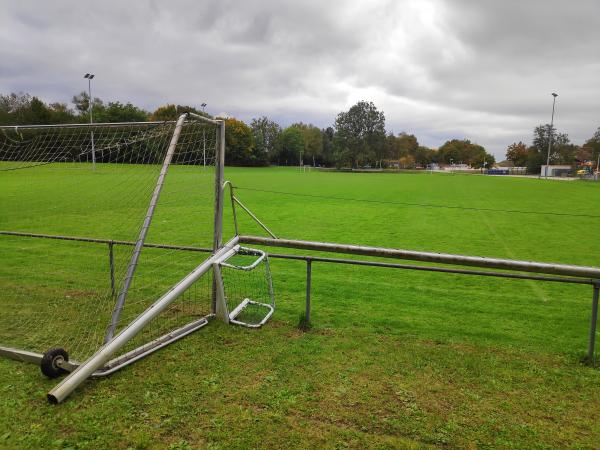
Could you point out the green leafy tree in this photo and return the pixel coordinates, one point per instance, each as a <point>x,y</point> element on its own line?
<point>464,151</point>
<point>291,143</point>
<point>425,156</point>
<point>313,142</point>
<point>82,103</point>
<point>535,159</point>
<point>402,148</point>
<point>327,157</point>
<point>518,154</point>
<point>37,113</point>
<point>592,146</point>
<point>265,134</point>
<point>61,113</point>
<point>562,152</point>
<point>360,135</point>
<point>541,139</point>
<point>238,143</point>
<point>118,112</point>
<point>12,108</point>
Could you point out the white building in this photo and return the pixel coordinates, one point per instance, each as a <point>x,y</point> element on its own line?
<point>556,170</point>
<point>457,167</point>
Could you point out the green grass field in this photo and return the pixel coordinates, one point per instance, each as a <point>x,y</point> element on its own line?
<point>395,359</point>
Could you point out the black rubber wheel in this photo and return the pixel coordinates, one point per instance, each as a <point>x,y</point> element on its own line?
<point>50,361</point>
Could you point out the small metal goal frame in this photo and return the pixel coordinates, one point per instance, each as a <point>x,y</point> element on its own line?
<point>232,316</point>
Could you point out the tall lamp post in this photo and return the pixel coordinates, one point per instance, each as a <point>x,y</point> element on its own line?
<point>89,77</point>
<point>203,141</point>
<point>551,128</point>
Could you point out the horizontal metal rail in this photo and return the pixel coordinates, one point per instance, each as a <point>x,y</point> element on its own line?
<point>440,258</point>
<point>355,262</point>
<point>103,241</point>
<point>358,262</point>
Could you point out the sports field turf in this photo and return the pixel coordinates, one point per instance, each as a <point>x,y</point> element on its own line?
<point>394,358</point>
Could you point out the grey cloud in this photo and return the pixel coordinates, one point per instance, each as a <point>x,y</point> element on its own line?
<point>439,69</point>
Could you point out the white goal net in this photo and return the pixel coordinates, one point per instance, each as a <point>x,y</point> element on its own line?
<point>96,223</point>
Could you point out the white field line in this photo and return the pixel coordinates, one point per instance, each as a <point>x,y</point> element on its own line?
<point>537,290</point>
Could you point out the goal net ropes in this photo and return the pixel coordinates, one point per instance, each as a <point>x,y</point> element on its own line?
<point>96,223</point>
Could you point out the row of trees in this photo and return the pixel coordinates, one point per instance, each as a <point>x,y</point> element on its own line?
<point>563,150</point>
<point>358,137</point>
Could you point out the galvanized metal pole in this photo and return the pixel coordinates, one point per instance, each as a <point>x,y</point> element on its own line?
<point>308,289</point>
<point>219,179</point>
<point>442,258</point>
<point>593,320</point>
<point>256,219</point>
<point>111,262</point>
<point>232,197</point>
<point>139,245</point>
<point>218,222</point>
<point>550,137</point>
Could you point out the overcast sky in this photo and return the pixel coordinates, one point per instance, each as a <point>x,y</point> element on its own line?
<point>482,70</point>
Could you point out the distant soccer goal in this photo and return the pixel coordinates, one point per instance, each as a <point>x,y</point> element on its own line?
<point>114,204</point>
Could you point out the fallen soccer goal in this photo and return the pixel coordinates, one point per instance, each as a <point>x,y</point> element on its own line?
<point>124,185</point>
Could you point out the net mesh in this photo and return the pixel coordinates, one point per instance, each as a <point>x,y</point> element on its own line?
<point>97,182</point>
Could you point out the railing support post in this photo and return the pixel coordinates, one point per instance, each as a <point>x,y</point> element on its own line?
<point>111,262</point>
<point>593,321</point>
<point>308,288</point>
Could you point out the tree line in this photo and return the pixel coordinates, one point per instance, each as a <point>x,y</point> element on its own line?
<point>357,139</point>
<point>563,151</point>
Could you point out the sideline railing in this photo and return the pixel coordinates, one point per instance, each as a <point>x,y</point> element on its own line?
<point>545,272</point>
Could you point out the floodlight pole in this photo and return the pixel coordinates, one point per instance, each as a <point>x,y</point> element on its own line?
<point>550,139</point>
<point>89,77</point>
